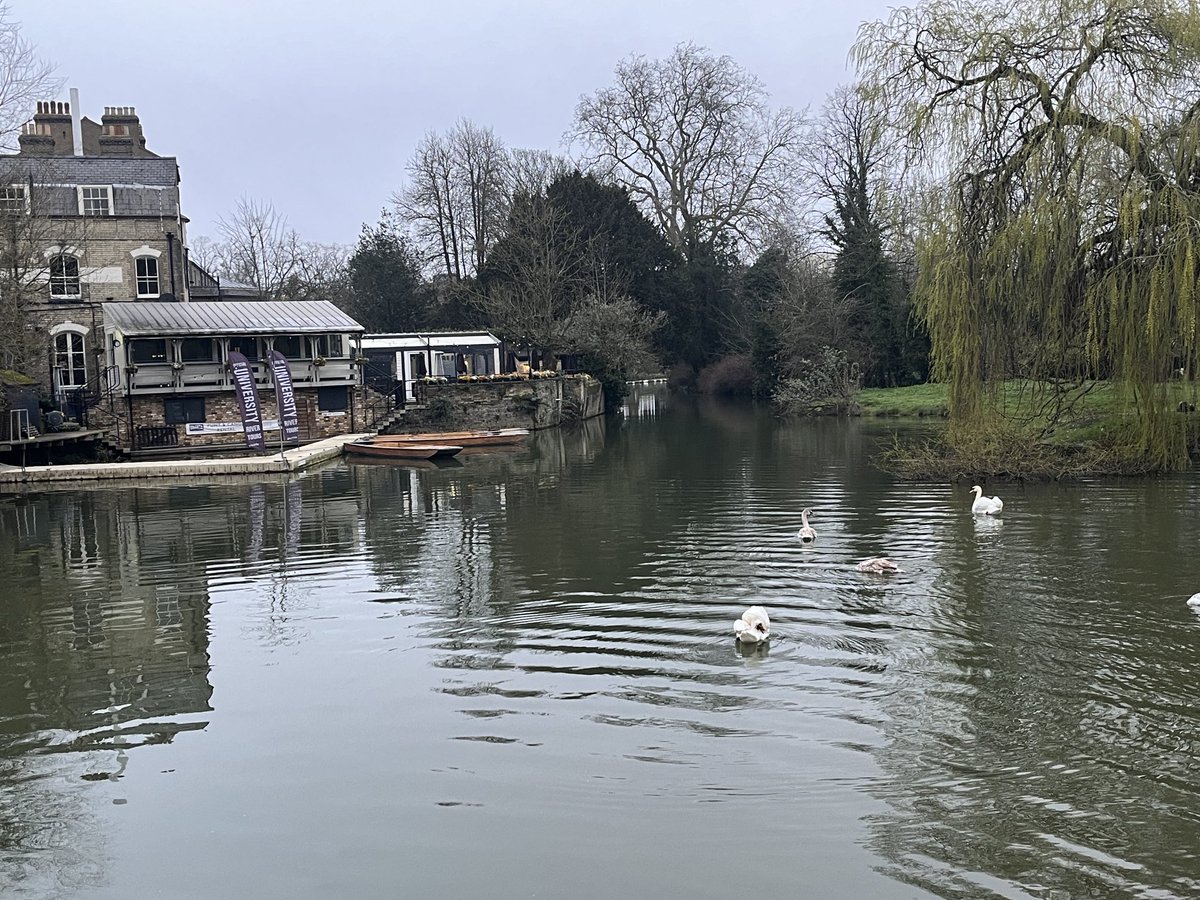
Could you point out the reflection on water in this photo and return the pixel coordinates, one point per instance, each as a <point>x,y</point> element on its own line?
<point>506,677</point>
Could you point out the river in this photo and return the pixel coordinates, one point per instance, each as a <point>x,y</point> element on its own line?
<point>516,677</point>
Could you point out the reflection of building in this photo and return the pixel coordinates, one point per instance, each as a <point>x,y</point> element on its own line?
<point>105,639</point>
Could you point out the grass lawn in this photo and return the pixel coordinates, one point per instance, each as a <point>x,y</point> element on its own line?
<point>1096,399</point>
<point>914,401</point>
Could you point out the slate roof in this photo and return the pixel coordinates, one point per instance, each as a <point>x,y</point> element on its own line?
<point>225,317</point>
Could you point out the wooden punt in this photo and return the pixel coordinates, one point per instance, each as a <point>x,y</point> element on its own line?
<point>461,438</point>
<point>402,451</point>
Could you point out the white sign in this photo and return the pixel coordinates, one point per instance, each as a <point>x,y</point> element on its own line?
<point>193,428</point>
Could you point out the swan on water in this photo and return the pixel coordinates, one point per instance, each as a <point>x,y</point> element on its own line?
<point>753,627</point>
<point>879,565</point>
<point>806,533</point>
<point>986,506</point>
<point>1194,601</point>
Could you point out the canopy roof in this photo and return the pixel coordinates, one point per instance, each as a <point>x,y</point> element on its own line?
<point>226,317</point>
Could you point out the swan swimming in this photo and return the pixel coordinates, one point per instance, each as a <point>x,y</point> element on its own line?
<point>879,565</point>
<point>1194,601</point>
<point>754,626</point>
<point>986,506</point>
<point>806,533</point>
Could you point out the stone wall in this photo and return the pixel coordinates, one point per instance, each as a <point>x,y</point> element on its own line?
<point>533,404</point>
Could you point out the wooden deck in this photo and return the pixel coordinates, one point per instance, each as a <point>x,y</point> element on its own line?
<point>53,439</point>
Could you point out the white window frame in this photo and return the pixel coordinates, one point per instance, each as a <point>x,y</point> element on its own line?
<point>65,374</point>
<point>65,254</point>
<point>24,189</point>
<point>137,277</point>
<point>108,193</point>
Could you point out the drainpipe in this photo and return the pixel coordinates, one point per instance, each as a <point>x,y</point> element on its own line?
<point>171,261</point>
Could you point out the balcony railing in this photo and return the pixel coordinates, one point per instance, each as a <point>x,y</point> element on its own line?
<point>209,376</point>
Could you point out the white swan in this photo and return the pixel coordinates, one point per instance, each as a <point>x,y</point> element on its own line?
<point>1194,601</point>
<point>754,626</point>
<point>986,506</point>
<point>806,533</point>
<point>878,565</point>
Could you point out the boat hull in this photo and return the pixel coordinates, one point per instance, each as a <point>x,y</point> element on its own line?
<point>403,451</point>
<point>458,438</point>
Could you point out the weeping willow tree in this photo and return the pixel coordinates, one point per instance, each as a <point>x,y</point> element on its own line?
<point>1056,143</point>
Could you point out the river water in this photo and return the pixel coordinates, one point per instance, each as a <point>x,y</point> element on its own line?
<point>516,677</point>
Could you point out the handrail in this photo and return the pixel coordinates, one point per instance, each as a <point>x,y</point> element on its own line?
<point>90,394</point>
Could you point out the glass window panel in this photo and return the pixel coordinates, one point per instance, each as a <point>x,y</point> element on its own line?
<point>147,276</point>
<point>196,350</point>
<point>148,351</point>
<point>247,346</point>
<point>290,346</point>
<point>64,276</point>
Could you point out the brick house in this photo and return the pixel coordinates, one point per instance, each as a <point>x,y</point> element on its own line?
<point>173,388</point>
<point>88,216</point>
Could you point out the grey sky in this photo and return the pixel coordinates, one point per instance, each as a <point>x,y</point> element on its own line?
<point>317,107</point>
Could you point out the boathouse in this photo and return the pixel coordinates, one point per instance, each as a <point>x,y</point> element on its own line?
<point>170,385</point>
<point>399,362</point>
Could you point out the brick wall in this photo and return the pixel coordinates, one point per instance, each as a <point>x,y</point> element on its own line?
<point>223,408</point>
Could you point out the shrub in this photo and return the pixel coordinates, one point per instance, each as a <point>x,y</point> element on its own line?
<point>681,377</point>
<point>731,375</point>
<point>826,383</point>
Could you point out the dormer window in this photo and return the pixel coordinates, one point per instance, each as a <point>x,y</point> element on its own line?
<point>95,200</point>
<point>14,199</point>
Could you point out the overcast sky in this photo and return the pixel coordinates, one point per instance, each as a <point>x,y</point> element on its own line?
<point>316,107</point>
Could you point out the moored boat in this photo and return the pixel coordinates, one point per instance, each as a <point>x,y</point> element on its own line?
<point>402,451</point>
<point>496,437</point>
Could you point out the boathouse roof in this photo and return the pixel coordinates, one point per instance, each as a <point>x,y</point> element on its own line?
<point>413,340</point>
<point>223,317</point>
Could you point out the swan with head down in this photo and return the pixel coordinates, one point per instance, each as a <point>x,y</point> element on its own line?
<point>878,565</point>
<point>754,627</point>
<point>985,506</point>
<point>806,533</point>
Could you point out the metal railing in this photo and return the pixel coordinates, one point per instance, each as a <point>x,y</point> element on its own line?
<point>148,436</point>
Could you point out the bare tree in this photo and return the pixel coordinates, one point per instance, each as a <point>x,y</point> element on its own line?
<point>257,247</point>
<point>532,172</point>
<point>320,273</point>
<point>482,164</point>
<point>535,277</point>
<point>694,141</point>
<point>40,251</point>
<point>456,197</point>
<point>849,156</point>
<point>25,78</point>
<point>428,203</point>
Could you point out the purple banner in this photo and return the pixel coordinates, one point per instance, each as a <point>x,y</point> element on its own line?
<point>285,396</point>
<point>247,391</point>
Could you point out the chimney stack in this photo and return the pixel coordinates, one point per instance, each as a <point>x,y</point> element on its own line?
<point>50,133</point>
<point>121,132</point>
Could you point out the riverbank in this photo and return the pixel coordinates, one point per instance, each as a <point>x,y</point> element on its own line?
<point>294,460</point>
<point>1093,434</point>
